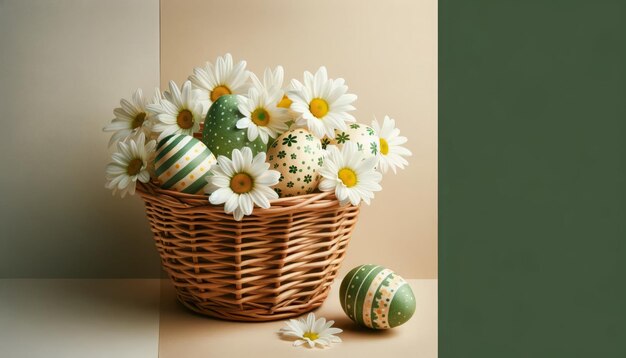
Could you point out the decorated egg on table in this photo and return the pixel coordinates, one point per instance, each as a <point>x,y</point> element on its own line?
<point>220,132</point>
<point>298,156</point>
<point>181,163</point>
<point>363,136</point>
<point>376,297</point>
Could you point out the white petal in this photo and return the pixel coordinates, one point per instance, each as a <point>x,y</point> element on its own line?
<point>226,165</point>
<point>269,177</point>
<point>246,154</point>
<point>326,185</point>
<point>245,204</point>
<point>238,161</point>
<point>355,199</point>
<point>243,123</point>
<point>220,196</point>
<point>231,204</point>
<point>259,199</point>
<point>238,214</point>
<point>253,132</point>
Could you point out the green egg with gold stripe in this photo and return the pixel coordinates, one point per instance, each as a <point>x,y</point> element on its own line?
<point>182,163</point>
<point>376,297</point>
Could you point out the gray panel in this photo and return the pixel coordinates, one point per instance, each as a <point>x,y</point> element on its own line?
<point>64,65</point>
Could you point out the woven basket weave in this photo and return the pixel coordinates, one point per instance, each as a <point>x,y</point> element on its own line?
<point>277,263</point>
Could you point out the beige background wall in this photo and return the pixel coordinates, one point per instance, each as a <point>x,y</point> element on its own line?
<point>64,65</point>
<point>386,51</point>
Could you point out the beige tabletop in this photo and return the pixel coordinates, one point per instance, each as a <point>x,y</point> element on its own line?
<point>183,334</point>
<point>141,318</point>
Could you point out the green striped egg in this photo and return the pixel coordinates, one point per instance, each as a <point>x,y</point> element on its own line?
<point>376,297</point>
<point>182,162</point>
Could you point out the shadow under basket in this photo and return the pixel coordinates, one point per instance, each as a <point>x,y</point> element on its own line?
<point>274,264</point>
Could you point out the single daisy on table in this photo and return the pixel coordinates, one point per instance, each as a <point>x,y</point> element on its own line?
<point>391,151</point>
<point>129,164</point>
<point>242,182</point>
<point>322,104</point>
<point>179,112</point>
<point>223,78</point>
<point>261,116</point>
<point>350,174</point>
<point>312,332</point>
<point>130,118</point>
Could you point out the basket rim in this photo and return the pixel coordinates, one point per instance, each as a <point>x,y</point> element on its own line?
<point>278,206</point>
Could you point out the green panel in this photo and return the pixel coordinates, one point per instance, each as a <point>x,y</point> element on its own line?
<point>532,198</point>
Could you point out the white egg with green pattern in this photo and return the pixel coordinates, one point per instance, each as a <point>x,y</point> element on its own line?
<point>298,155</point>
<point>362,135</point>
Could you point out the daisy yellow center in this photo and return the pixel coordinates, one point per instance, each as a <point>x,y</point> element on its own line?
<point>318,107</point>
<point>184,119</point>
<point>311,335</point>
<point>285,102</point>
<point>241,183</point>
<point>134,166</point>
<point>138,120</point>
<point>218,92</point>
<point>384,146</point>
<point>348,177</point>
<point>260,117</point>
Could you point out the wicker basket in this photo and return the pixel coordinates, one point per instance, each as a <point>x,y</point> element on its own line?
<point>277,263</point>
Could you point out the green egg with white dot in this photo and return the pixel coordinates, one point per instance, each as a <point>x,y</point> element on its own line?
<point>220,133</point>
<point>376,297</point>
<point>362,135</point>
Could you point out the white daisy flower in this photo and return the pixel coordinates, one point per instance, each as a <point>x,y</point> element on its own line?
<point>130,118</point>
<point>177,113</point>
<point>261,116</point>
<point>157,97</point>
<point>242,182</point>
<point>223,78</point>
<point>312,332</point>
<point>391,150</point>
<point>129,164</point>
<point>272,80</point>
<point>321,103</point>
<point>350,174</point>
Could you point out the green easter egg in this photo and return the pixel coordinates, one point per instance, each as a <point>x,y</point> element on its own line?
<point>376,297</point>
<point>182,162</point>
<point>221,134</point>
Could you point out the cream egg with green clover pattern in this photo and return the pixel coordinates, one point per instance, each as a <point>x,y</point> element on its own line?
<point>298,155</point>
<point>362,135</point>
